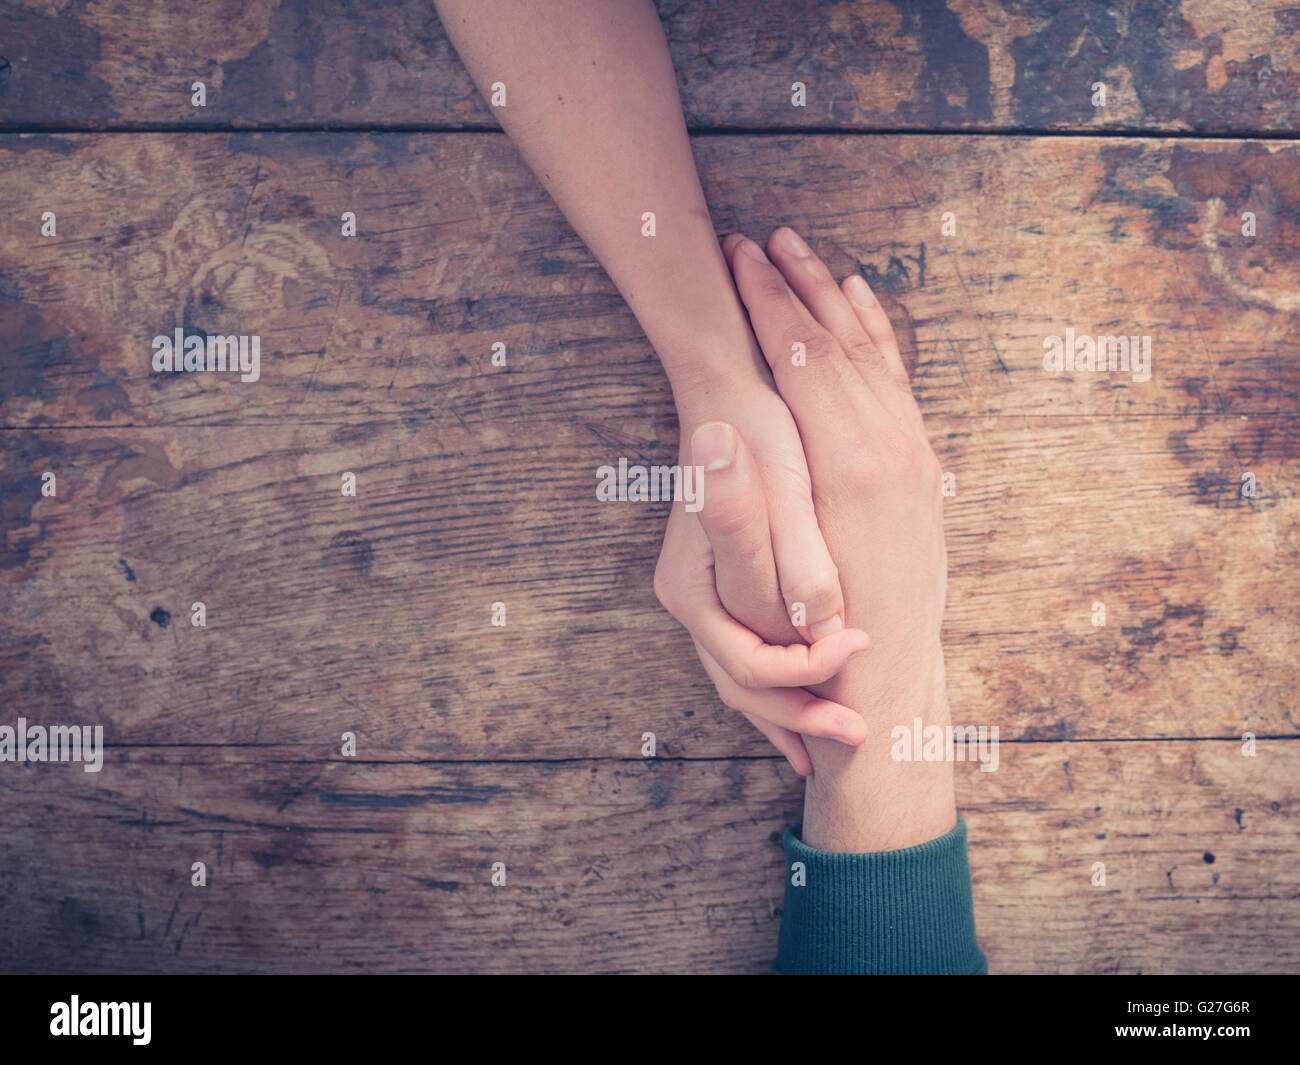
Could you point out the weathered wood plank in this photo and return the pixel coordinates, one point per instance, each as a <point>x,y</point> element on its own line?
<point>621,866</point>
<point>1212,65</point>
<point>458,248</point>
<point>373,613</point>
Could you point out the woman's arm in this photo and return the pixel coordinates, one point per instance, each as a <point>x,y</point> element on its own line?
<point>591,102</point>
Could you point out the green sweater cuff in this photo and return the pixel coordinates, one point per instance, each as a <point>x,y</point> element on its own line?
<point>903,911</point>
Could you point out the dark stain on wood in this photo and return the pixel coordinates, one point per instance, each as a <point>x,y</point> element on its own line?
<point>953,87</point>
<point>877,64</point>
<point>353,551</point>
<point>24,513</point>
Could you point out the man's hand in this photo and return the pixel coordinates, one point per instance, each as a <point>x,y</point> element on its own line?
<point>876,493</point>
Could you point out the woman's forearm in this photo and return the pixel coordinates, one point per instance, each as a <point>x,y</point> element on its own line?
<point>586,91</point>
<point>591,102</point>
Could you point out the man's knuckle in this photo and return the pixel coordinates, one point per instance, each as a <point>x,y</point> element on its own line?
<point>820,347</point>
<point>865,353</point>
<point>772,286</point>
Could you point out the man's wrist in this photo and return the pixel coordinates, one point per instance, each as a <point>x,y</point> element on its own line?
<point>896,789</point>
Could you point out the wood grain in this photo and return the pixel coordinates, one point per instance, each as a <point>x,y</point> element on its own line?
<point>458,248</point>
<point>326,612</point>
<point>621,866</point>
<point>1206,65</point>
<point>1121,742</point>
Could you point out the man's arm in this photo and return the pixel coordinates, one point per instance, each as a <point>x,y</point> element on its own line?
<point>877,484</point>
<point>884,884</point>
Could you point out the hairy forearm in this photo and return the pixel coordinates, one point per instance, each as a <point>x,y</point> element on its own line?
<point>591,103</point>
<point>862,799</point>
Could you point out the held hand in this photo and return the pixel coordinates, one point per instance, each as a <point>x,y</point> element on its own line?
<point>800,596</point>
<point>728,543</point>
<point>775,577</point>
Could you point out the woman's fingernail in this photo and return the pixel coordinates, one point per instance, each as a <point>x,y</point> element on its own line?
<point>713,446</point>
<point>753,251</point>
<point>860,292</point>
<point>791,243</point>
<point>825,628</point>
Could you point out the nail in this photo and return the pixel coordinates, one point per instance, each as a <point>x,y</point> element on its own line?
<point>713,446</point>
<point>753,251</point>
<point>791,243</point>
<point>825,628</point>
<point>860,292</point>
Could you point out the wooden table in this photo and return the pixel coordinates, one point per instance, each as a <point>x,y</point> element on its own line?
<point>475,744</point>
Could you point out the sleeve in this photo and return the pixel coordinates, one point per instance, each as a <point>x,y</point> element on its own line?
<point>902,911</point>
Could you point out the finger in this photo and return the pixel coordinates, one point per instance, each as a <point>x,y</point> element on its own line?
<point>809,578</point>
<point>782,574</point>
<point>815,384</point>
<point>749,661</point>
<point>791,709</point>
<point>875,323</point>
<point>811,371</point>
<point>788,743</point>
<point>816,288</point>
<point>729,244</point>
<point>735,519</point>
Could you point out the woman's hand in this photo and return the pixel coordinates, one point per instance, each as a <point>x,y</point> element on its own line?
<point>728,546</point>
<point>789,589</point>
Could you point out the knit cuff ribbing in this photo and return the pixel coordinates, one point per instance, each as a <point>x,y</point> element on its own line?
<point>903,911</point>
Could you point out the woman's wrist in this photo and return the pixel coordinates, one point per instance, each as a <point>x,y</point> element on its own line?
<point>699,329</point>
<point>709,371</point>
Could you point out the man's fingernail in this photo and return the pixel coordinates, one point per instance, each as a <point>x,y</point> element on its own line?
<point>860,292</point>
<point>825,628</point>
<point>713,446</point>
<point>791,243</point>
<point>753,251</point>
